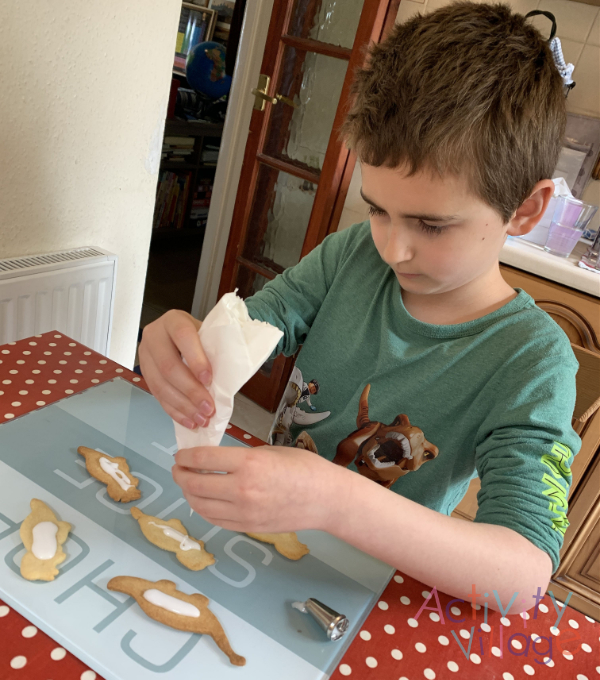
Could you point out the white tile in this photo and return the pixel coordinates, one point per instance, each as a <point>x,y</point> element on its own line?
<point>408,9</point>
<point>592,195</point>
<point>432,5</point>
<point>523,6</point>
<point>353,199</point>
<point>571,51</point>
<point>585,96</point>
<point>594,36</point>
<point>573,19</point>
<point>350,217</point>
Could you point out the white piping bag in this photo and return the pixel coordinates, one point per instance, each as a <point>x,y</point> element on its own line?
<point>236,347</point>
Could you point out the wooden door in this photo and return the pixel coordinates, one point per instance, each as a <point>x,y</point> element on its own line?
<point>296,169</point>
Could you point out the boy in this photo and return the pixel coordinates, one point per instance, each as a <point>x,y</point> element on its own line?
<point>433,369</point>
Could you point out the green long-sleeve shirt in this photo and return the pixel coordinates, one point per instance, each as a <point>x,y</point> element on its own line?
<point>492,397</point>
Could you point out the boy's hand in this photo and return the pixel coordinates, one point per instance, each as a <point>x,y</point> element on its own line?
<point>267,489</point>
<point>180,389</point>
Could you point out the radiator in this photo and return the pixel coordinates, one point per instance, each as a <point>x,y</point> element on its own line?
<point>70,291</point>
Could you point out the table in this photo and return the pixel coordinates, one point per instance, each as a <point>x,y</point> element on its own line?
<point>400,640</point>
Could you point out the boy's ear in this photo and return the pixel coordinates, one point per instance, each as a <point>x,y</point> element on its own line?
<point>530,212</point>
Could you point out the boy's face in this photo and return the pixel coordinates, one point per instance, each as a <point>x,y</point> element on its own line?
<point>433,232</point>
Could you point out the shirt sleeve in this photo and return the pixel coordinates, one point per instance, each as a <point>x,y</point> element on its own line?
<point>292,300</point>
<point>525,449</point>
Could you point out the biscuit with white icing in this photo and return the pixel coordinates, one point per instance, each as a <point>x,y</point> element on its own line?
<point>42,535</point>
<point>170,534</point>
<point>121,485</point>
<point>286,544</point>
<point>162,602</point>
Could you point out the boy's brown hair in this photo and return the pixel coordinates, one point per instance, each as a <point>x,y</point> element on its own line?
<point>470,88</point>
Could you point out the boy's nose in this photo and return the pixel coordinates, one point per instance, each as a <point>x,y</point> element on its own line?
<point>398,248</point>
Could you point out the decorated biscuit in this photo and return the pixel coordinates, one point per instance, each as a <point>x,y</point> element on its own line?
<point>42,535</point>
<point>162,602</point>
<point>114,472</point>
<point>286,544</point>
<point>172,535</point>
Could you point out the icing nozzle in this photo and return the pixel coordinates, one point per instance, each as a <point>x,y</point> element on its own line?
<point>334,624</point>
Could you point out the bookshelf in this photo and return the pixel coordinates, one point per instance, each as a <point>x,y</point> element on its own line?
<point>181,181</point>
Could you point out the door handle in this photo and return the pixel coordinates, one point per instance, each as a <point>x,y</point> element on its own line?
<point>261,96</point>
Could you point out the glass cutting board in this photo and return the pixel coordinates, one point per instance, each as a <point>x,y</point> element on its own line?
<point>251,586</point>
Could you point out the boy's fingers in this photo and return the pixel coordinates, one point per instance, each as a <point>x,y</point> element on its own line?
<point>208,485</point>
<point>184,334</point>
<point>211,458</point>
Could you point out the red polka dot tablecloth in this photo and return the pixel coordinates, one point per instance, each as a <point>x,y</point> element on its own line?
<point>413,633</point>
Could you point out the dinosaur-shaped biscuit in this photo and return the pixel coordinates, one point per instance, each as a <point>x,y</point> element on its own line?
<point>162,602</point>
<point>114,472</point>
<point>286,544</point>
<point>172,535</point>
<point>42,535</point>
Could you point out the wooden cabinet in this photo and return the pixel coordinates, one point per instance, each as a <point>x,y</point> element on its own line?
<point>578,315</point>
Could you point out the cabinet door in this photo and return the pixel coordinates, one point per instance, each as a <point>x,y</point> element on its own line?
<point>296,169</point>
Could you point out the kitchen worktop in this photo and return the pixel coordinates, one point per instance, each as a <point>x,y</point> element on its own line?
<point>534,259</point>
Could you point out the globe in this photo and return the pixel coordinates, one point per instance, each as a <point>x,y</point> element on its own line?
<point>205,69</point>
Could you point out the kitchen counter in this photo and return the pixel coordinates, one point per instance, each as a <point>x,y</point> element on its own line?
<point>534,259</point>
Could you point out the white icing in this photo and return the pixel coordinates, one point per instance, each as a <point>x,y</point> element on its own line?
<point>44,540</point>
<point>300,606</point>
<point>173,604</point>
<point>185,542</point>
<point>118,475</point>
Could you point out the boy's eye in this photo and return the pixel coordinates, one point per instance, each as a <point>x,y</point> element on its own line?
<point>431,229</point>
<point>375,211</point>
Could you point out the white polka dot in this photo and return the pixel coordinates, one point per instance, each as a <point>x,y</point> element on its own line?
<point>413,623</point>
<point>62,362</point>
<point>554,630</point>
<point>95,380</point>
<point>228,426</point>
<point>4,610</point>
<point>67,354</point>
<point>397,654</point>
<point>573,623</point>
<point>452,666</point>
<point>33,343</point>
<point>73,381</point>
<point>18,662</point>
<point>496,651</point>
<point>58,653</point>
<point>507,676</point>
<point>567,654</point>
<point>37,336</point>
<point>40,403</point>
<point>88,675</point>
<point>543,608</point>
<point>548,662</point>
<point>524,615</point>
<point>16,403</point>
<point>20,362</point>
<point>51,381</point>
<point>78,370</point>
<point>429,674</point>
<point>443,640</point>
<point>87,354</point>
<point>581,676</point>
<point>420,647</point>
<point>464,634</point>
<point>381,604</point>
<point>434,616</point>
<point>365,635</point>
<point>136,379</point>
<point>404,600</point>
<point>57,371</point>
<point>23,392</point>
<point>46,392</point>
<point>247,436</point>
<point>590,619</point>
<point>535,637</point>
<point>504,621</point>
<point>390,630</point>
<point>598,670</point>
<point>528,669</point>
<point>398,578</point>
<point>29,631</point>
<point>42,362</point>
<point>586,648</point>
<point>13,372</point>
<point>29,382</point>
<point>58,336</point>
<point>477,607</point>
<point>8,416</point>
<point>456,611</point>
<point>26,352</point>
<point>51,344</point>
<point>68,391</point>
<point>425,594</point>
<point>83,363</point>
<point>118,370</point>
<point>7,382</point>
<point>36,371</point>
<point>371,662</point>
<point>485,627</point>
<point>72,344</point>
<point>5,351</point>
<point>345,669</point>
<point>475,658</point>
<point>516,644</point>
<point>1,392</point>
<point>48,354</point>
<point>103,361</point>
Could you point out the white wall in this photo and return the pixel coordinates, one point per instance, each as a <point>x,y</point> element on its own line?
<point>82,107</point>
<point>579,31</point>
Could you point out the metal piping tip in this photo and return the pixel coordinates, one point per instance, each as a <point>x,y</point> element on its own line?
<point>334,624</point>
